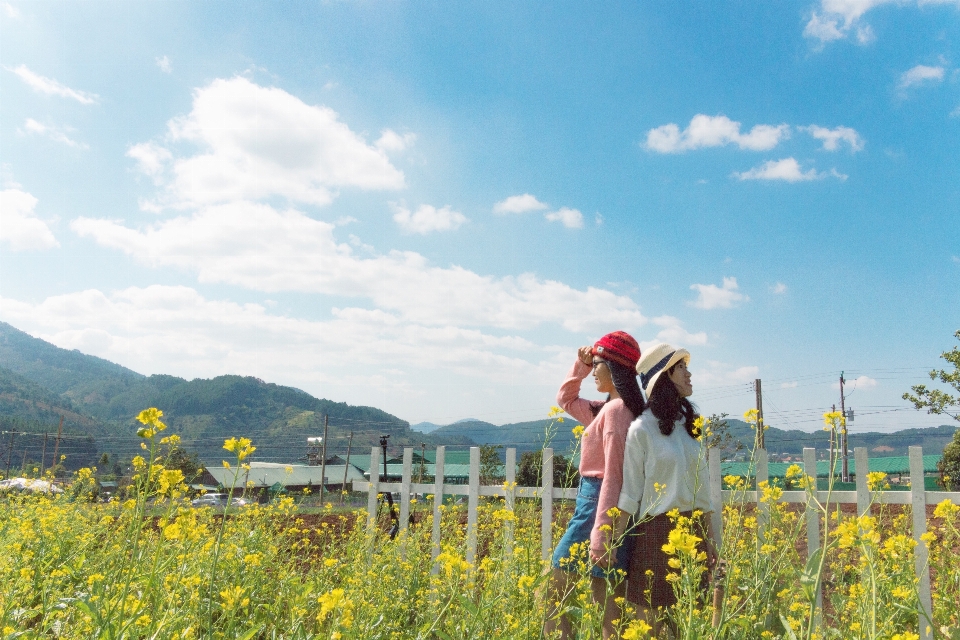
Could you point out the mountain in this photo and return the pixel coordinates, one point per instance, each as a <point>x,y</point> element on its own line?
<point>28,408</point>
<point>99,400</point>
<point>425,427</point>
<point>781,442</point>
<point>525,436</point>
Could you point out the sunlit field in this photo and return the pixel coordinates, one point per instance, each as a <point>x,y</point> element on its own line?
<point>148,565</point>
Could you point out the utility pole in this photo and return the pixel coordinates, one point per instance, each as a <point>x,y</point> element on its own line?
<point>833,445</point>
<point>323,459</point>
<point>43,456</point>
<point>56,446</point>
<point>10,452</point>
<point>346,467</point>
<point>845,470</point>
<point>760,439</point>
<point>423,452</point>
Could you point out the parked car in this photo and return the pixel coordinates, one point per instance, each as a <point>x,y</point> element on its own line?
<point>210,500</point>
<point>217,500</point>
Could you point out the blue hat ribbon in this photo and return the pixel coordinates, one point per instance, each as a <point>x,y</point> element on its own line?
<point>655,369</point>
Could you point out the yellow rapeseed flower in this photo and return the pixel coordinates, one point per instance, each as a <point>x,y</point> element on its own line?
<point>876,481</point>
<point>637,629</point>
<point>946,510</point>
<point>241,447</point>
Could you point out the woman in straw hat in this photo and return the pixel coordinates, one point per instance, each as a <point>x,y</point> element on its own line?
<point>612,359</point>
<point>664,470</point>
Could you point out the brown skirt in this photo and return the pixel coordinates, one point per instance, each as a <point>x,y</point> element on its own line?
<point>647,577</point>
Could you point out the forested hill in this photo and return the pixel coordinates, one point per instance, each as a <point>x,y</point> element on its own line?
<point>40,382</point>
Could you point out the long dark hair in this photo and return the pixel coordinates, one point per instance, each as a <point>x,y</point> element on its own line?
<point>625,382</point>
<point>668,407</point>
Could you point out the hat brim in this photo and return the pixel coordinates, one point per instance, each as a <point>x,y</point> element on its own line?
<point>678,355</point>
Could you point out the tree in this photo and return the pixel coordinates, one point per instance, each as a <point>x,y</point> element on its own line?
<point>940,402</point>
<point>490,469</point>
<point>719,436</point>
<point>949,465</point>
<point>531,469</point>
<point>187,462</point>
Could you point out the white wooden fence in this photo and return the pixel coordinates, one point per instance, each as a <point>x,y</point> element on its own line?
<point>917,497</point>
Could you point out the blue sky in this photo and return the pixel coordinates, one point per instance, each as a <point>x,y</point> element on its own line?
<point>428,207</point>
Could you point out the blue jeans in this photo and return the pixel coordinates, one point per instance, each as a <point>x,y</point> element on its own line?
<point>578,531</point>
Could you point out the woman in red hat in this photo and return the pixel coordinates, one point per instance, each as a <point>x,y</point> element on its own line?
<point>612,359</point>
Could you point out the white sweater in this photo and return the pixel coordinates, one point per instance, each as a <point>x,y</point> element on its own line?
<point>675,462</point>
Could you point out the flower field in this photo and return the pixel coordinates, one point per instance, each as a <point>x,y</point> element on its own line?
<point>150,566</point>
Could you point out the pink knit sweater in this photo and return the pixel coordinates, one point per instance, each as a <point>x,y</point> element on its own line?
<point>601,454</point>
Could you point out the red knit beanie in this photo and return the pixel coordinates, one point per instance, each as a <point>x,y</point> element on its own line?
<point>618,346</point>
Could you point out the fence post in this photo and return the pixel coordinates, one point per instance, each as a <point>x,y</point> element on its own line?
<point>763,508</point>
<point>510,479</point>
<point>716,496</point>
<point>405,487</point>
<point>813,517</point>
<point>546,499</point>
<point>374,487</point>
<point>862,468</point>
<point>918,503</point>
<point>437,503</point>
<point>473,503</point>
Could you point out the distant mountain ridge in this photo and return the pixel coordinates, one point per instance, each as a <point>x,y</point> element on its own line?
<point>39,382</point>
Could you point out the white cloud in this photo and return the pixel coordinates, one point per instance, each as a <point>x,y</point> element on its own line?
<point>836,19</point>
<point>833,137</point>
<point>865,34</point>
<point>258,247</point>
<point>571,218</point>
<point>789,385</point>
<point>11,11</point>
<point>713,373</point>
<point>956,112</point>
<point>51,87</point>
<point>20,229</point>
<point>778,288</point>
<point>164,64</point>
<point>955,259</point>
<point>519,204</point>
<point>863,382</point>
<point>673,332</point>
<point>55,134</point>
<point>920,75</point>
<point>259,142</point>
<point>598,219</point>
<point>390,140</point>
<point>787,169</point>
<point>427,219</point>
<point>152,159</point>
<point>174,329</point>
<point>713,297</point>
<point>714,131</point>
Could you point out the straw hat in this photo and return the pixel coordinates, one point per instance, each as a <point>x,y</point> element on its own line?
<point>657,360</point>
